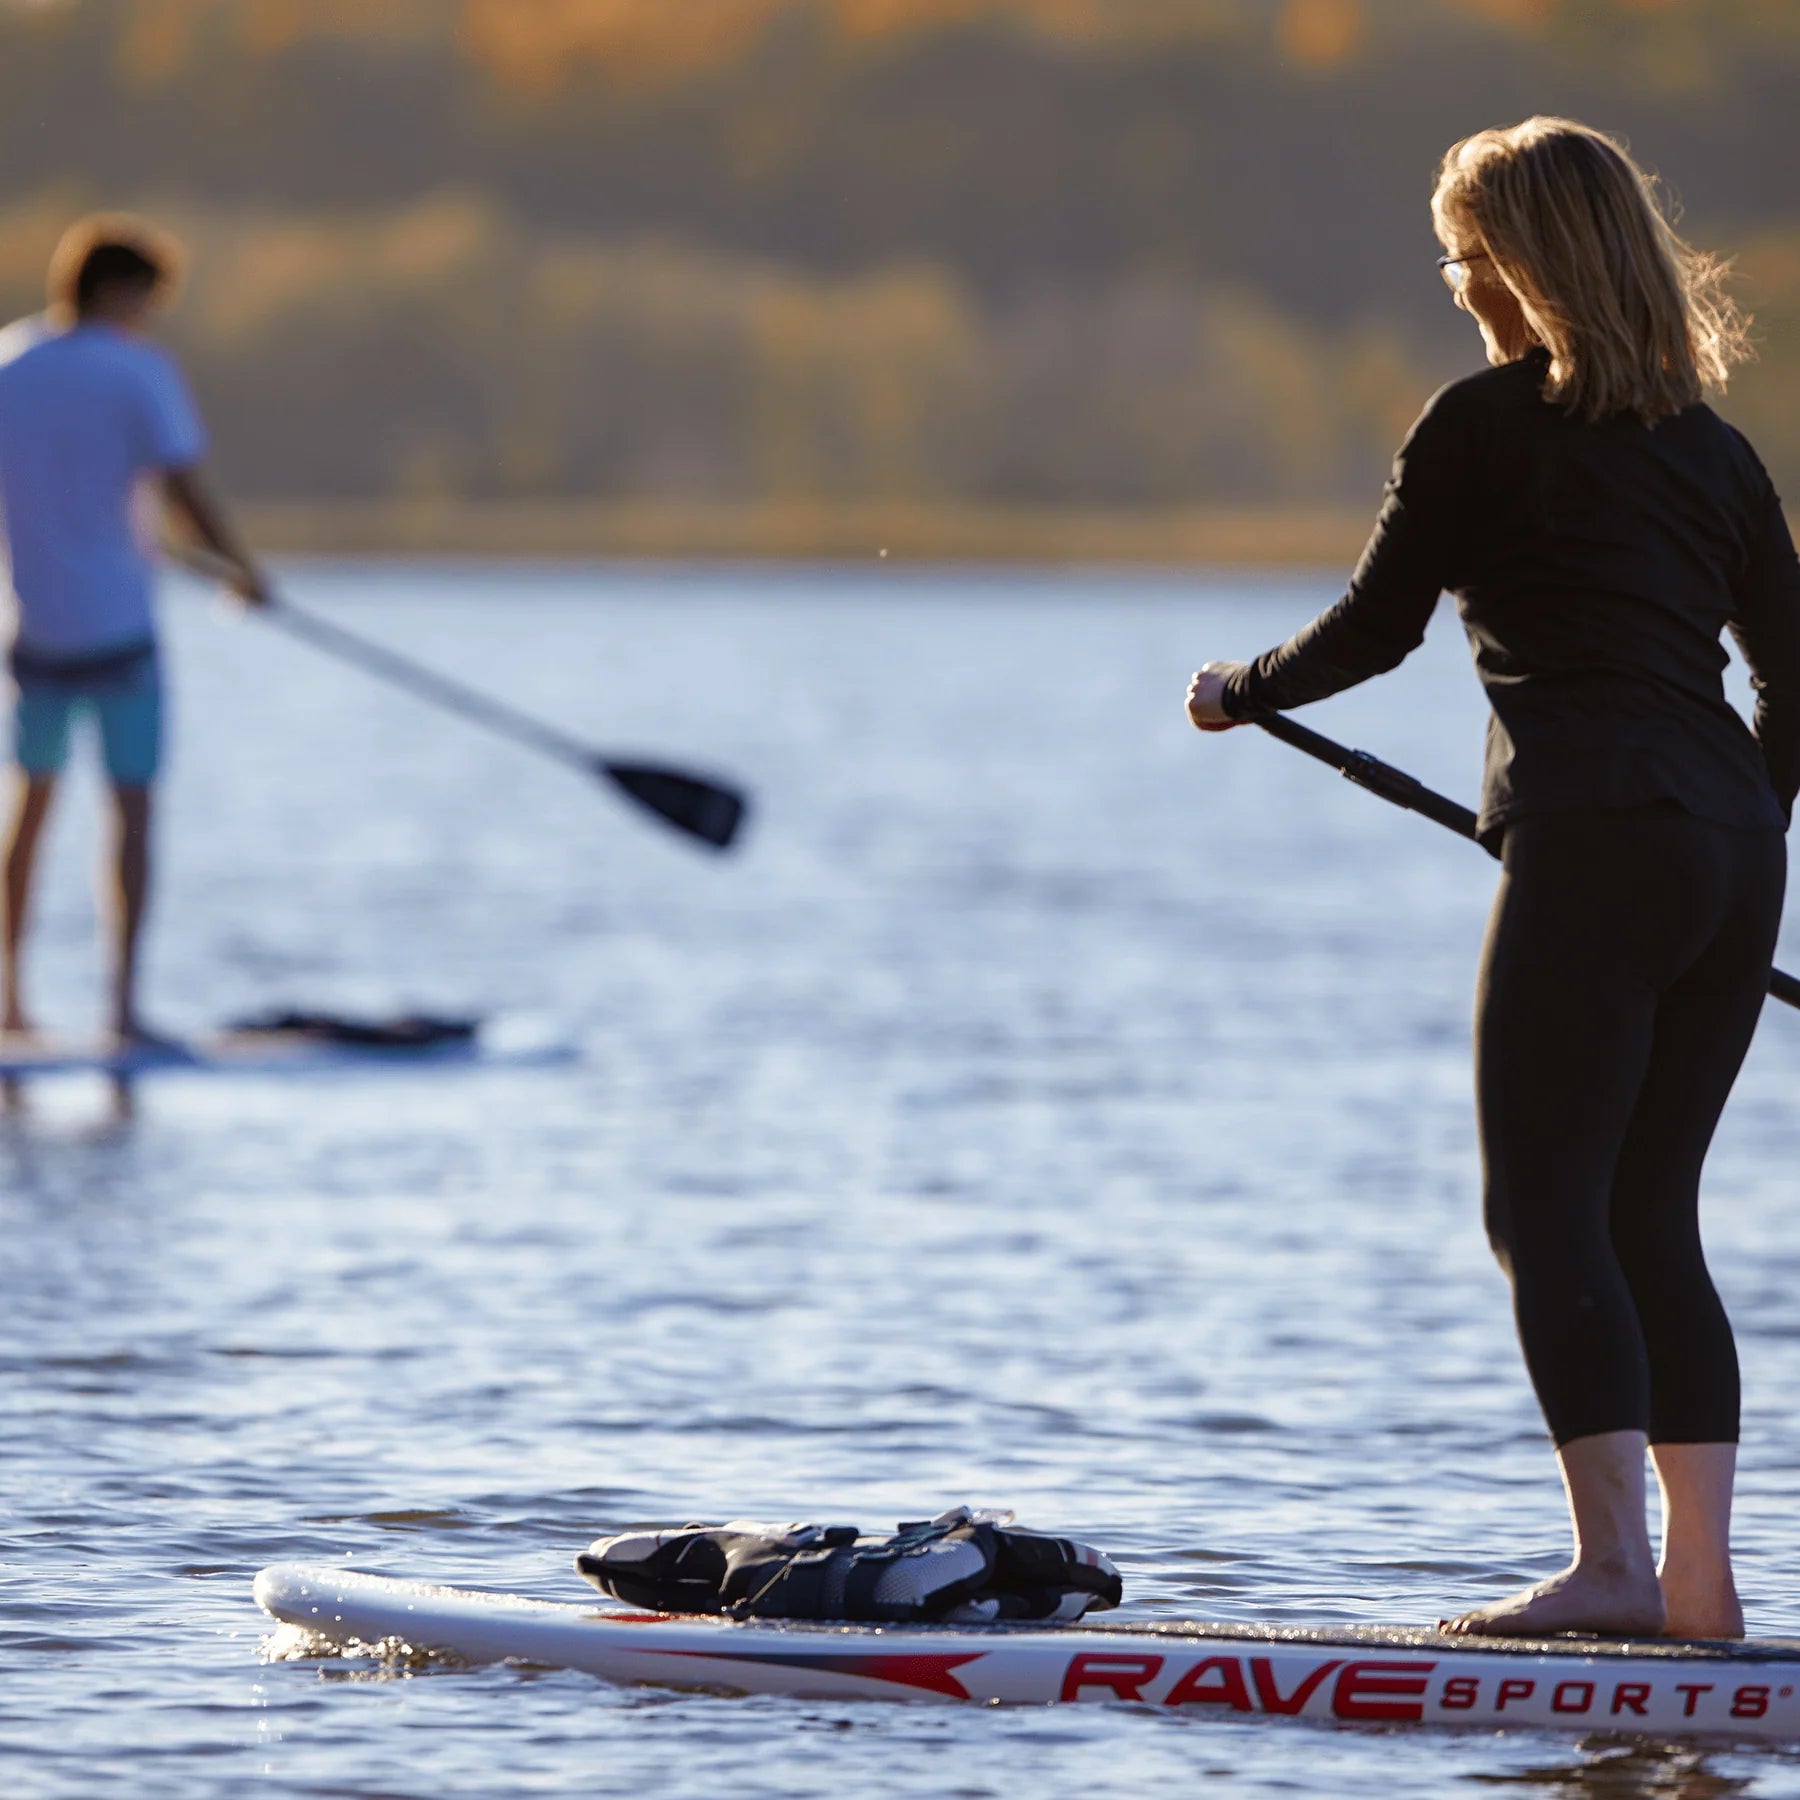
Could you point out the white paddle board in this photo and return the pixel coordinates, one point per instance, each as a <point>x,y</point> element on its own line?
<point>499,1043</point>
<point>1358,1675</point>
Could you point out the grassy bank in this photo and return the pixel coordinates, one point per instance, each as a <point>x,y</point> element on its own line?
<point>1271,537</point>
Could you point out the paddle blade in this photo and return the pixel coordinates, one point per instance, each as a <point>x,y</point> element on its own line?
<point>701,808</point>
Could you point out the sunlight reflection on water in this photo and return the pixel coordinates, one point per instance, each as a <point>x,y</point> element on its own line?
<point>1049,1109</point>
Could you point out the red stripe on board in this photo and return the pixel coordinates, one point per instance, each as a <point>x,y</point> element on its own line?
<point>928,1671</point>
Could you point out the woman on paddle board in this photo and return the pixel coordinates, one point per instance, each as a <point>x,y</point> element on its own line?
<point>1599,526</point>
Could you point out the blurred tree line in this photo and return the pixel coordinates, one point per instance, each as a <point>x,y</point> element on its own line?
<point>1107,253</point>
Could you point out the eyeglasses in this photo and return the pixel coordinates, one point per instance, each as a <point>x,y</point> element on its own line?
<point>1455,269</point>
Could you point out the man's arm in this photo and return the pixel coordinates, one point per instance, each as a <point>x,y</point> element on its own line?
<point>189,495</point>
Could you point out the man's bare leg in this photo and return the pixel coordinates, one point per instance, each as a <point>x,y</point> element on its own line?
<point>129,898</point>
<point>1611,1586</point>
<point>31,797</point>
<point>1698,1590</point>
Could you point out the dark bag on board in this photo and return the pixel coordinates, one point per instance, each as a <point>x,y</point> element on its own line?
<point>963,1568</point>
<point>409,1031</point>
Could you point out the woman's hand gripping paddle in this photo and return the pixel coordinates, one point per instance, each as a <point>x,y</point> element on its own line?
<point>704,809</point>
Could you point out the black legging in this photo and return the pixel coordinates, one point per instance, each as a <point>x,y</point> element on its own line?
<point>1626,961</point>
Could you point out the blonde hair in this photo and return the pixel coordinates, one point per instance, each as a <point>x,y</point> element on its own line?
<point>1634,319</point>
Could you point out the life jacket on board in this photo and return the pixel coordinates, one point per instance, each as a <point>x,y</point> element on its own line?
<point>961,1568</point>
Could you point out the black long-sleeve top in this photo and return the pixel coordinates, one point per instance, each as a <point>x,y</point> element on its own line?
<point>1595,566</point>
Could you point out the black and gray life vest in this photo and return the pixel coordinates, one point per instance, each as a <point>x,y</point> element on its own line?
<point>962,1568</point>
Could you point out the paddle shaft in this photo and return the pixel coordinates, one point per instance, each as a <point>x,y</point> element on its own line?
<point>450,694</point>
<point>1400,789</point>
<point>402,671</point>
<point>703,809</point>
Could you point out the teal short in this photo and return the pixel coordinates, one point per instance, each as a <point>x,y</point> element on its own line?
<point>123,694</point>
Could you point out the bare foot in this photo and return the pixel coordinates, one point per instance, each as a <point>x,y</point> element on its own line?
<point>1700,1606</point>
<point>1608,1600</point>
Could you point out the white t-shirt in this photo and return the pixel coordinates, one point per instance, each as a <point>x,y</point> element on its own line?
<point>85,414</point>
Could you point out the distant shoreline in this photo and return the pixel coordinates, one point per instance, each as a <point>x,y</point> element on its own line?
<point>1266,537</point>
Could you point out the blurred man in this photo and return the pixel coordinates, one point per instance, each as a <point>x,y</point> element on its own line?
<point>91,416</point>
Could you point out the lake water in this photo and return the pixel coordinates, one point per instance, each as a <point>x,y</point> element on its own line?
<point>1048,1108</point>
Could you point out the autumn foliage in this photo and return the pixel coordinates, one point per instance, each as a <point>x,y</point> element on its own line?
<point>1103,253</point>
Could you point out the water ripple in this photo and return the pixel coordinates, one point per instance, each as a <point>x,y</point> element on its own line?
<point>1048,1111</point>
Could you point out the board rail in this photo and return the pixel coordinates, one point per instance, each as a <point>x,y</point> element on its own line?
<point>1391,1677</point>
<point>510,1043</point>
